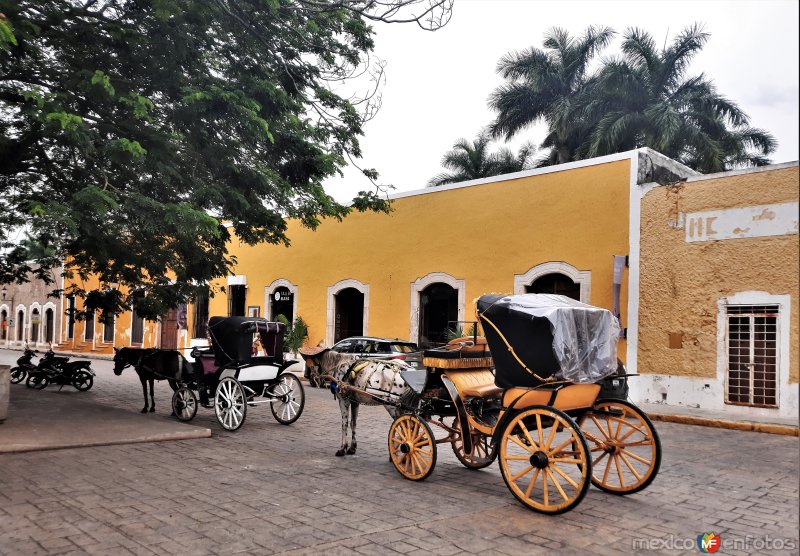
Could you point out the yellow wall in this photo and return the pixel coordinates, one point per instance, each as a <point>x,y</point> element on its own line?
<point>483,234</point>
<point>682,282</point>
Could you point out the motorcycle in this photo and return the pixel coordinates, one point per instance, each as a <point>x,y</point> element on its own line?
<point>24,366</point>
<point>53,369</point>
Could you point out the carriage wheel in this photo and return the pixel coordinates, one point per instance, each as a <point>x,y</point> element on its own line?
<point>412,447</point>
<point>482,453</point>
<point>291,399</point>
<point>230,404</point>
<point>544,460</point>
<point>625,448</point>
<point>18,374</point>
<point>184,404</point>
<point>37,382</point>
<point>83,381</point>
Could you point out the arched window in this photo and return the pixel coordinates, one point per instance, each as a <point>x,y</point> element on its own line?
<point>20,325</point>
<point>49,326</point>
<point>555,283</point>
<point>3,325</point>
<point>281,302</point>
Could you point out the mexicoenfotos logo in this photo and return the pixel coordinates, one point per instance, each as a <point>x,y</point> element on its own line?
<point>708,542</point>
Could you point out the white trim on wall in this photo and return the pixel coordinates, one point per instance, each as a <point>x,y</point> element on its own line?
<point>269,290</point>
<point>580,277</point>
<point>331,310</point>
<point>420,284</point>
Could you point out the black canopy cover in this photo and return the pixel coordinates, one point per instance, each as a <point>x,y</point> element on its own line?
<point>551,335</point>
<point>232,338</point>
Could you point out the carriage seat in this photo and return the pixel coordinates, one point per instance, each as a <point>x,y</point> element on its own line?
<point>462,353</point>
<point>482,391</point>
<point>565,398</point>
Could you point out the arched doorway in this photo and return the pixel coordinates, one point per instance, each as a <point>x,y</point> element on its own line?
<point>281,302</point>
<point>3,325</point>
<point>556,283</point>
<point>438,311</point>
<point>36,319</point>
<point>20,325</point>
<point>349,314</point>
<point>49,326</point>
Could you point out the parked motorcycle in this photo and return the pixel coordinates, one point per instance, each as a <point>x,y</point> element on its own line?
<point>24,366</point>
<point>55,369</point>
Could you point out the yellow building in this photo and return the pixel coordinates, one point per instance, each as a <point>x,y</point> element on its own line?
<point>718,301</point>
<point>412,273</point>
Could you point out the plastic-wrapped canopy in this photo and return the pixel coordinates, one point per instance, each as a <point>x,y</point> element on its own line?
<point>536,336</point>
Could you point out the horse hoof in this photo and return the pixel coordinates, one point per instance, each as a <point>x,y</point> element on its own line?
<point>152,410</point>
<point>144,410</point>
<point>340,453</point>
<point>351,451</point>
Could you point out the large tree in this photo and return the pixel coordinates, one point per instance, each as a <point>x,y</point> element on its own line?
<point>646,98</point>
<point>136,136</point>
<point>470,161</point>
<point>547,84</point>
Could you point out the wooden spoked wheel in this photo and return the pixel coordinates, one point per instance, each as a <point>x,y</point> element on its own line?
<point>482,453</point>
<point>544,460</point>
<point>230,404</point>
<point>412,447</point>
<point>625,449</point>
<point>290,399</point>
<point>184,404</point>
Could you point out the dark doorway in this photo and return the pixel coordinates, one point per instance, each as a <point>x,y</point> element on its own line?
<point>200,316</point>
<point>137,322</point>
<point>281,303</point>
<point>236,300</point>
<point>20,325</point>
<point>555,283</point>
<point>4,325</point>
<point>49,326</point>
<point>349,314</point>
<point>169,330</point>
<point>438,310</point>
<point>88,331</point>
<point>36,319</point>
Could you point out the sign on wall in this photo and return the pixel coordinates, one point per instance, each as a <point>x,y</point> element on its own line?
<point>738,223</point>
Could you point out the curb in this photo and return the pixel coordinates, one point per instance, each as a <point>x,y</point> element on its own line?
<point>770,428</point>
<point>162,437</point>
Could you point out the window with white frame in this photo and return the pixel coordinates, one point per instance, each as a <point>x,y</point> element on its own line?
<point>752,355</point>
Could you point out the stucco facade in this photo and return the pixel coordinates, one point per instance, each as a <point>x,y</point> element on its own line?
<point>707,244</point>
<point>28,314</point>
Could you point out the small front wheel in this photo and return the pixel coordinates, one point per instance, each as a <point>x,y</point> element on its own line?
<point>289,399</point>
<point>544,460</point>
<point>230,404</point>
<point>83,380</point>
<point>184,404</point>
<point>412,447</point>
<point>18,374</point>
<point>37,381</point>
<point>483,453</point>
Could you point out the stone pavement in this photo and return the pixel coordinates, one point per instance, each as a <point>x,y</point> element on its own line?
<point>269,489</point>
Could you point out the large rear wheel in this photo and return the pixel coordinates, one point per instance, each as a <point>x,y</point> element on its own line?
<point>230,404</point>
<point>83,380</point>
<point>412,447</point>
<point>544,460</point>
<point>625,447</point>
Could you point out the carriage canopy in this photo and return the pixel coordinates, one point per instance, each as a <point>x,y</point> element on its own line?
<point>232,338</point>
<point>535,337</point>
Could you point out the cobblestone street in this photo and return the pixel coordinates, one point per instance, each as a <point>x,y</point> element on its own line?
<point>270,489</point>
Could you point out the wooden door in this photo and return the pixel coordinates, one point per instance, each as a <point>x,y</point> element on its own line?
<point>169,330</point>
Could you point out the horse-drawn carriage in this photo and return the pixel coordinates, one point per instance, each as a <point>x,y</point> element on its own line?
<point>527,394</point>
<point>227,370</point>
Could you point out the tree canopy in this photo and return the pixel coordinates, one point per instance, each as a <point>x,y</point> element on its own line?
<point>137,137</point>
<point>470,161</point>
<point>640,98</point>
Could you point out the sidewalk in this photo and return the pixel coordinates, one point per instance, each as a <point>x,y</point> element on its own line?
<point>49,419</point>
<point>720,419</point>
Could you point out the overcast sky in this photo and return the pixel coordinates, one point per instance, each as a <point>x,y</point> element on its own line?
<point>437,84</point>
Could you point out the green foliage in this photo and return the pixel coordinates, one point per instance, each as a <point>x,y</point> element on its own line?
<point>473,161</point>
<point>296,333</point>
<point>459,332</point>
<point>642,98</point>
<point>136,138</point>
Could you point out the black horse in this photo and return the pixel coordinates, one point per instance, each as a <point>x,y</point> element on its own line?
<point>153,364</point>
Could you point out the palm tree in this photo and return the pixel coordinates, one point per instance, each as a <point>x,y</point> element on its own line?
<point>470,161</point>
<point>645,99</point>
<point>547,85</point>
